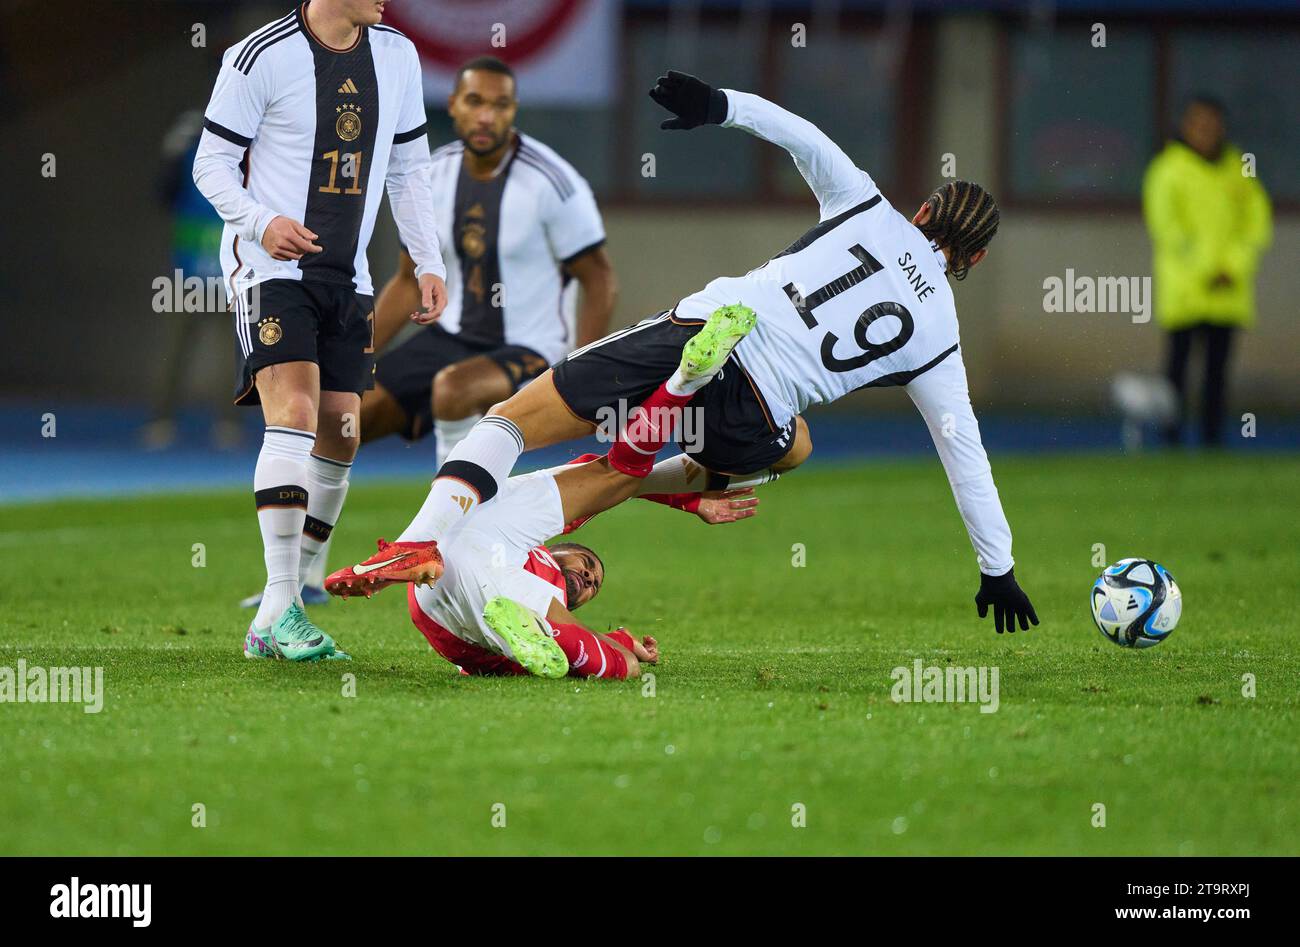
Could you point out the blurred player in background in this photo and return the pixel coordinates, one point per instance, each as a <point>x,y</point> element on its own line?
<point>1210,221</point>
<point>196,252</point>
<point>859,301</point>
<point>311,118</point>
<point>522,235</point>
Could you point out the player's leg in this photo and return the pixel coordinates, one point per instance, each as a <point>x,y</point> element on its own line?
<point>736,438</point>
<point>402,399</point>
<point>275,327</point>
<point>800,450</point>
<point>1218,346</point>
<point>461,393</point>
<point>478,465</point>
<point>566,402</point>
<point>288,392</point>
<point>328,469</point>
<point>591,488</point>
<point>465,390</point>
<point>1180,350</point>
<point>381,415</point>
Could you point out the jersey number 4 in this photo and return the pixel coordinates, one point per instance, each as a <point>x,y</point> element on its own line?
<point>870,351</point>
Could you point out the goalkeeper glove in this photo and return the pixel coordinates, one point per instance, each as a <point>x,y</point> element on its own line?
<point>1008,600</point>
<point>692,101</point>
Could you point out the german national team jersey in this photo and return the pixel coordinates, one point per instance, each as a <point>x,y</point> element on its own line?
<point>859,301</point>
<point>300,129</point>
<point>507,240</point>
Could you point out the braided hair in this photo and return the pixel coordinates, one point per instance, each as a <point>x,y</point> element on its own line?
<point>963,218</point>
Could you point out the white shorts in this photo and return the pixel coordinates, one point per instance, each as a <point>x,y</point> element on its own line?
<point>485,556</point>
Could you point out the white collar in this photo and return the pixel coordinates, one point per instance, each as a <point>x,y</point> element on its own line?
<point>943,260</point>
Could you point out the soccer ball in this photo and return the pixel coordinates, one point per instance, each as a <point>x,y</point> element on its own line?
<point>1136,603</point>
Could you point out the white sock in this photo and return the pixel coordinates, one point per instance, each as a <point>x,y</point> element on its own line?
<point>315,576</point>
<point>472,475</point>
<point>451,433</point>
<point>680,385</point>
<point>327,486</point>
<point>280,489</point>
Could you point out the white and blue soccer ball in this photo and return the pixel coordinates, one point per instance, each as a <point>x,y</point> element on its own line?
<point>1136,603</point>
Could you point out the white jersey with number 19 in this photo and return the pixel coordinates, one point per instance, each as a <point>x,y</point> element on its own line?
<point>859,301</point>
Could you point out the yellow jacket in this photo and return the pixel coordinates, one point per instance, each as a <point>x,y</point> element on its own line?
<point>1206,218</point>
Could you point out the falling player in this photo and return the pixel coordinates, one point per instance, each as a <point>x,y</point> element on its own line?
<point>311,118</point>
<point>492,599</point>
<point>859,301</point>
<point>522,235</point>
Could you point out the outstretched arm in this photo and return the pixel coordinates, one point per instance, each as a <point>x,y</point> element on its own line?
<point>835,180</point>
<point>942,397</point>
<point>588,488</point>
<point>591,654</point>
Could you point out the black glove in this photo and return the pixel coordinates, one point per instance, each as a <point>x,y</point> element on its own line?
<point>692,101</point>
<point>1008,600</point>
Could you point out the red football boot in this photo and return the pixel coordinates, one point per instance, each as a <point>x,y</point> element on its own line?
<point>393,564</point>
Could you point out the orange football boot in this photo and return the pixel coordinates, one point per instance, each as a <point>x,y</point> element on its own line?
<point>394,564</point>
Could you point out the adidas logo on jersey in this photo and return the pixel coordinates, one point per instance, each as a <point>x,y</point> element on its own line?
<point>465,503</point>
<point>348,86</point>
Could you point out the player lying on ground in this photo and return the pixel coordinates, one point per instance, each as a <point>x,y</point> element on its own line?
<point>859,301</point>
<point>501,600</point>
<point>492,599</point>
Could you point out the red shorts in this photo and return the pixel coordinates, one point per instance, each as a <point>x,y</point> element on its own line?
<point>588,655</point>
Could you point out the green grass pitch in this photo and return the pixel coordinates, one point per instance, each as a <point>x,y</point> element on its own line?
<point>773,693</point>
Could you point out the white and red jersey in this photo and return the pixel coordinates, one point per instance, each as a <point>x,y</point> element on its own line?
<point>588,655</point>
<point>498,550</point>
<point>489,553</point>
<point>859,301</point>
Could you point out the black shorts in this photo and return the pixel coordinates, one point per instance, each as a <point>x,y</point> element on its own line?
<point>738,435</point>
<point>407,371</point>
<point>285,320</point>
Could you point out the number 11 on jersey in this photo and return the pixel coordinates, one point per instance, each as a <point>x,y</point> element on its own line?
<point>351,168</point>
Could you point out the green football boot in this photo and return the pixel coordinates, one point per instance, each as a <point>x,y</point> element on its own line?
<point>525,639</point>
<point>708,350</point>
<point>297,639</point>
<point>257,643</point>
